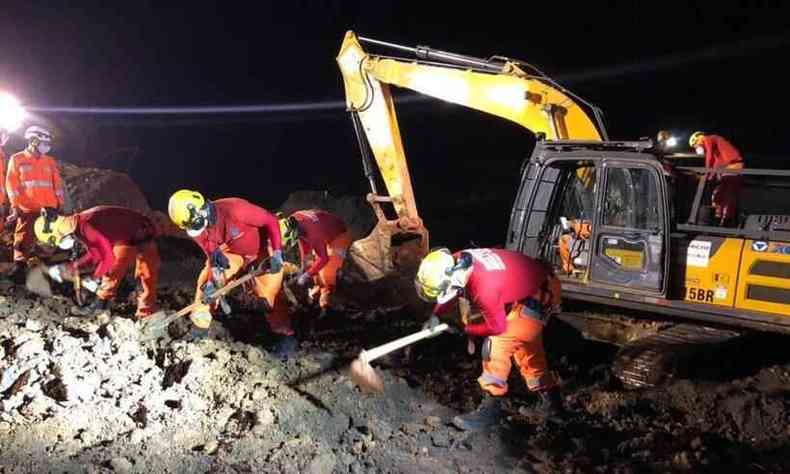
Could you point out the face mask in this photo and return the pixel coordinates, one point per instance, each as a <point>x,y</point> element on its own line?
<point>196,232</point>
<point>700,150</point>
<point>458,281</point>
<point>66,243</point>
<point>43,148</point>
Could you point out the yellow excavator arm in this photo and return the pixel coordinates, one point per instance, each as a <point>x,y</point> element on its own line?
<point>499,87</point>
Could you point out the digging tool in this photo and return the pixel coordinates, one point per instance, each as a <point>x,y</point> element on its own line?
<point>37,281</point>
<point>364,375</point>
<point>155,325</point>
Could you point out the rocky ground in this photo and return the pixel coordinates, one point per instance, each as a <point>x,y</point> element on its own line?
<point>86,395</point>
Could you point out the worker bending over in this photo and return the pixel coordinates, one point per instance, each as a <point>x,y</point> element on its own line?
<point>326,238</point>
<point>236,237</point>
<point>32,183</point>
<point>720,153</point>
<point>113,238</point>
<point>516,295</point>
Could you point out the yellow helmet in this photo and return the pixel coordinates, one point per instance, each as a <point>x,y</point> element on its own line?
<point>187,210</point>
<point>434,275</point>
<point>53,229</point>
<point>289,230</point>
<point>695,138</point>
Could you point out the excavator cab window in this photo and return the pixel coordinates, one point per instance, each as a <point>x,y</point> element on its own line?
<point>574,224</point>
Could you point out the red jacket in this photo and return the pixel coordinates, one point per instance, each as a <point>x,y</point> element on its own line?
<point>317,230</point>
<point>498,277</point>
<point>719,152</point>
<point>244,228</point>
<point>103,227</point>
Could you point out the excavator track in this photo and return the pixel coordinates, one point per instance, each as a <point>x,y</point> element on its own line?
<point>653,360</point>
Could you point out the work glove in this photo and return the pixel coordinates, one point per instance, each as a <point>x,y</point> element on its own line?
<point>219,260</point>
<point>434,321</point>
<point>303,279</point>
<point>91,284</point>
<point>276,263</point>
<point>56,272</point>
<point>208,289</point>
<point>10,220</point>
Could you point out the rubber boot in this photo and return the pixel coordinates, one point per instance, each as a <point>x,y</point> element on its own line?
<point>551,408</point>
<point>486,415</point>
<point>197,334</point>
<point>18,274</point>
<point>96,307</point>
<point>285,348</point>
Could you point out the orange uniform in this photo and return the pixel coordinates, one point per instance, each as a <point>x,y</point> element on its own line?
<point>515,293</point>
<point>244,232</point>
<point>720,153</point>
<point>114,237</point>
<point>32,183</point>
<point>582,231</point>
<point>327,237</point>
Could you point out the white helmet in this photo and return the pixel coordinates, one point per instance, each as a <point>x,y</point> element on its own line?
<point>38,132</point>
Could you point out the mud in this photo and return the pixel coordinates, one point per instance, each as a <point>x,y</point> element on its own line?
<point>85,395</point>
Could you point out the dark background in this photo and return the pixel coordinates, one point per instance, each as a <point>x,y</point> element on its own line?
<point>715,66</point>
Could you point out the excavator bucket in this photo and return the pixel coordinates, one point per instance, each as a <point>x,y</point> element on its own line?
<point>379,270</point>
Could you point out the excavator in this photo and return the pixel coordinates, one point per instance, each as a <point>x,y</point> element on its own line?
<point>628,231</point>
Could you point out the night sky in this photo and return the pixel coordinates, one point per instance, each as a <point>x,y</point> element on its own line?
<point>717,66</point>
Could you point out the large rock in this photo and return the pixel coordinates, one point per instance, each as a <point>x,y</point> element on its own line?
<point>90,187</point>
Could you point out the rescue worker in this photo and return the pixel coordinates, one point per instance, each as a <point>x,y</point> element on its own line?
<point>516,295</point>
<point>720,153</point>
<point>577,229</point>
<point>32,183</point>
<point>113,238</point>
<point>665,141</point>
<point>235,235</point>
<point>324,236</point>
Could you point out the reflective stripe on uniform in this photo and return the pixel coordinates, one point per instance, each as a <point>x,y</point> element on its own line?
<point>37,183</point>
<point>491,379</point>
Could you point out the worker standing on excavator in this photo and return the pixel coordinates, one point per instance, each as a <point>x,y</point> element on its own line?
<point>516,295</point>
<point>32,183</point>
<point>236,236</point>
<point>326,238</point>
<point>113,237</point>
<point>720,153</point>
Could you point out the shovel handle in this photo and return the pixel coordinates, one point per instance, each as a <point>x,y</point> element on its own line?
<point>384,349</point>
<point>217,294</point>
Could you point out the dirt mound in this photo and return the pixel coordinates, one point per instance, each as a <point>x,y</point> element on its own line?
<point>89,187</point>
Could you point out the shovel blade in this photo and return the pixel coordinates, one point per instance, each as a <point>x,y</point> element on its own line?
<point>366,377</point>
<point>37,282</point>
<point>155,325</point>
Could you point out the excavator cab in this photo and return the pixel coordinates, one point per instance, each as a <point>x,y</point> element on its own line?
<point>598,219</point>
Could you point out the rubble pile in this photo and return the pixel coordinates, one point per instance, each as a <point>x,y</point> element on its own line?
<point>86,395</point>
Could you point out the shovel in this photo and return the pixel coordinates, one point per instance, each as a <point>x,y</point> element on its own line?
<point>155,326</point>
<point>364,375</point>
<point>37,281</point>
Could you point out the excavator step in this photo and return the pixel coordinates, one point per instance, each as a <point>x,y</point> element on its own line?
<point>653,360</point>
